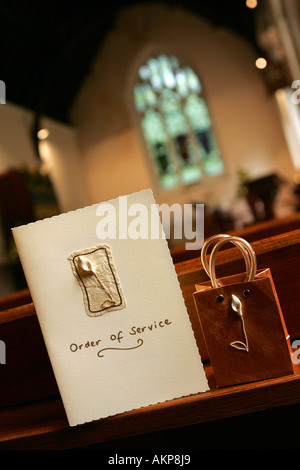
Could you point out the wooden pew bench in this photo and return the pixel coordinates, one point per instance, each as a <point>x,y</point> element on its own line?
<point>31,411</point>
<point>252,233</point>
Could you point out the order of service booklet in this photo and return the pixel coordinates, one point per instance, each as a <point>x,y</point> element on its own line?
<point>110,308</point>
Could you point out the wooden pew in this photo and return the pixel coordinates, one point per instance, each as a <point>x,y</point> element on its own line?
<point>31,411</point>
<point>257,231</point>
<point>15,299</point>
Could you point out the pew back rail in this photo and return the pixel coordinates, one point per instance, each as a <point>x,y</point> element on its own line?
<point>31,412</point>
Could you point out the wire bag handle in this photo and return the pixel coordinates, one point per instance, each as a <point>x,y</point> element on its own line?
<point>244,247</point>
<point>220,240</point>
<point>215,239</point>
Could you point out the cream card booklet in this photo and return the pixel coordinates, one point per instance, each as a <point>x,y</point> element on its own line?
<point>110,308</point>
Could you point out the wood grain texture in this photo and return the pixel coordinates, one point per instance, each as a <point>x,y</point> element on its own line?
<point>15,299</point>
<point>252,233</point>
<point>32,414</point>
<point>44,425</point>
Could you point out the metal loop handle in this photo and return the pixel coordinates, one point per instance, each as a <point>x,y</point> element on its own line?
<point>205,247</point>
<point>214,239</point>
<point>245,248</point>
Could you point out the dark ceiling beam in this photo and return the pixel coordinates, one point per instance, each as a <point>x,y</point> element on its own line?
<point>50,47</point>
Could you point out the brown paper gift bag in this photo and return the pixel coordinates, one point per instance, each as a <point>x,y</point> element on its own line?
<point>241,320</point>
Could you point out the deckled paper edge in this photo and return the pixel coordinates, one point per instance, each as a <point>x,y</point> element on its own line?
<point>144,407</point>
<point>204,377</point>
<point>97,204</point>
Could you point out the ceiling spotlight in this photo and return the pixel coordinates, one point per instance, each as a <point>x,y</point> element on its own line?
<point>261,63</point>
<point>43,134</point>
<point>251,3</point>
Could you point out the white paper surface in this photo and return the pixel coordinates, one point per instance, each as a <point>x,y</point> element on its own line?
<point>142,354</point>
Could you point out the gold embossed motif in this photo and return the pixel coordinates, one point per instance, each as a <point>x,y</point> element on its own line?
<point>97,276</point>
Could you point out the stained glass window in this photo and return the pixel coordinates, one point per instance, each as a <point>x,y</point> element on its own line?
<point>175,122</point>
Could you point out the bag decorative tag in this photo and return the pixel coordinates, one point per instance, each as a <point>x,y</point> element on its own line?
<point>241,319</point>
